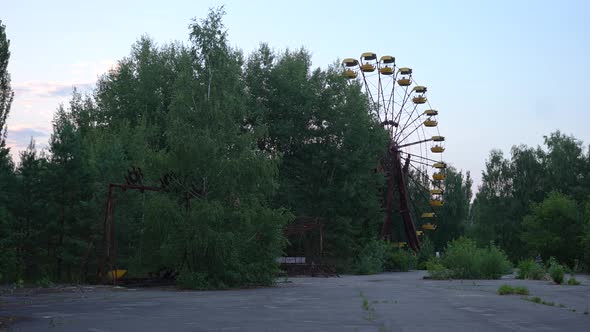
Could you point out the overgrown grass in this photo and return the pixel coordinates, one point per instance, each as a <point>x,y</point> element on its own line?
<point>528,269</point>
<point>573,282</point>
<point>509,290</point>
<point>464,260</point>
<point>538,300</point>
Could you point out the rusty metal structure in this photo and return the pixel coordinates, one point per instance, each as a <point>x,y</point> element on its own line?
<point>107,265</point>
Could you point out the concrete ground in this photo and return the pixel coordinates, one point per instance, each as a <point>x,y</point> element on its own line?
<point>383,302</point>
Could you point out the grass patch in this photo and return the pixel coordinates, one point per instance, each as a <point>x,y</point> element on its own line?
<point>573,282</point>
<point>509,290</point>
<point>367,307</point>
<point>539,300</point>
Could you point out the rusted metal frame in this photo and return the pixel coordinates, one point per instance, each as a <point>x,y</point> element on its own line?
<point>109,240</point>
<point>409,227</point>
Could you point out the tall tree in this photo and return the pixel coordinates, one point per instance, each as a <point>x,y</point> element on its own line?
<point>6,93</point>
<point>8,257</point>
<point>554,228</point>
<point>455,212</point>
<point>330,146</point>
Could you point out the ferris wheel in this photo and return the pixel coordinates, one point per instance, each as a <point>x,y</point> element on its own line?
<point>412,164</point>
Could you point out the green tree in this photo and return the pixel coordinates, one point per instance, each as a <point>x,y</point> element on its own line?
<point>8,257</point>
<point>226,235</point>
<point>329,144</point>
<point>493,218</point>
<point>453,216</point>
<point>553,228</point>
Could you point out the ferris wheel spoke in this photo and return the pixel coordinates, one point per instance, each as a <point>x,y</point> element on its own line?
<point>418,162</point>
<point>425,158</point>
<point>407,122</point>
<point>414,143</point>
<point>402,108</point>
<point>413,131</point>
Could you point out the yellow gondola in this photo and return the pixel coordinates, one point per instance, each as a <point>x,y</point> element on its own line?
<point>399,244</point>
<point>438,138</point>
<point>116,274</point>
<point>428,215</point>
<point>436,191</point>
<point>350,62</point>
<point>368,56</point>
<point>431,112</point>
<point>404,82</point>
<point>368,68</point>
<point>439,165</point>
<point>350,73</point>
<point>419,100</point>
<point>386,71</point>
<point>428,227</point>
<point>438,176</point>
<point>405,71</point>
<point>419,233</point>
<point>437,149</point>
<point>430,123</point>
<point>436,203</point>
<point>387,59</point>
<point>419,89</point>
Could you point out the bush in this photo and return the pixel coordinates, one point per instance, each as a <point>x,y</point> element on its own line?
<point>400,260</point>
<point>528,269</point>
<point>493,263</point>
<point>556,271</point>
<point>372,257</point>
<point>425,254</point>
<point>465,260</point>
<point>436,270</point>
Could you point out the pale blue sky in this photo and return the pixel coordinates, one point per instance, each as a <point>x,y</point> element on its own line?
<point>499,72</point>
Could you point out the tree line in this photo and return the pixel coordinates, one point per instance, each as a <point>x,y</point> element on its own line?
<point>257,142</point>
<point>537,201</point>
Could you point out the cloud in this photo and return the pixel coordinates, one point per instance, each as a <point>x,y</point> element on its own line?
<point>19,138</point>
<point>92,68</point>
<point>31,89</point>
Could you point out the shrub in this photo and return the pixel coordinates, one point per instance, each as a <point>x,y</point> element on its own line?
<point>400,260</point>
<point>465,260</point>
<point>493,263</point>
<point>425,254</point>
<point>556,271</point>
<point>371,259</point>
<point>528,269</point>
<point>436,270</point>
<point>461,257</point>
